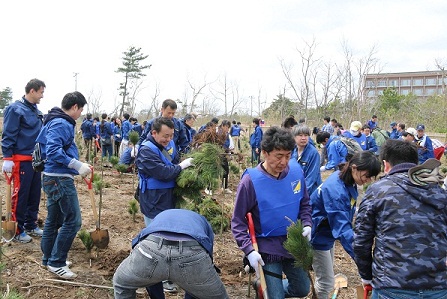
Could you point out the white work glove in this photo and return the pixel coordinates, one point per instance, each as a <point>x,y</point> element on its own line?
<point>306,232</point>
<point>366,282</point>
<point>125,142</point>
<point>134,152</point>
<point>7,166</point>
<point>255,259</point>
<point>84,169</point>
<point>323,168</point>
<point>186,163</point>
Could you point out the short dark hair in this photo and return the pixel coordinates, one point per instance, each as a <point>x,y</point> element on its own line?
<point>276,138</point>
<point>374,116</point>
<point>160,121</point>
<point>256,121</point>
<point>34,84</point>
<point>169,103</point>
<point>327,118</point>
<point>402,126</point>
<point>73,98</point>
<point>289,122</point>
<point>396,151</point>
<point>188,117</point>
<point>104,116</point>
<point>334,121</point>
<point>364,160</point>
<point>225,123</point>
<point>321,136</point>
<point>89,116</point>
<point>126,116</point>
<point>215,120</point>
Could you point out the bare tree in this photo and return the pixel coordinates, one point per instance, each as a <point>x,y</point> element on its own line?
<point>223,91</point>
<point>94,102</point>
<point>196,91</point>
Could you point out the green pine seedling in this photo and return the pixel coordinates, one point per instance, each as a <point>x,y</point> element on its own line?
<point>133,208</point>
<point>86,239</point>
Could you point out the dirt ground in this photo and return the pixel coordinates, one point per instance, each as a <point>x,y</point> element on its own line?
<point>24,273</point>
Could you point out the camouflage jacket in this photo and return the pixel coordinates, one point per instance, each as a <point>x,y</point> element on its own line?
<point>408,224</point>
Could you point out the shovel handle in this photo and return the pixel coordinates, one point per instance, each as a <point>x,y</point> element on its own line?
<point>251,230</point>
<point>8,178</point>
<point>366,291</point>
<point>89,181</point>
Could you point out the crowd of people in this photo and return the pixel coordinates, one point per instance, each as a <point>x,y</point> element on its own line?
<point>395,233</point>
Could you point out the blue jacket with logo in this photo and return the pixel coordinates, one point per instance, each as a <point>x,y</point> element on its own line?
<point>309,161</point>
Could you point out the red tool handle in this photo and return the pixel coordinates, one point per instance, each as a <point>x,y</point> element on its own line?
<point>89,181</point>
<point>366,291</point>
<point>251,230</point>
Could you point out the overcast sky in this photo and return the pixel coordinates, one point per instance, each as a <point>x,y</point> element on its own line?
<point>52,40</point>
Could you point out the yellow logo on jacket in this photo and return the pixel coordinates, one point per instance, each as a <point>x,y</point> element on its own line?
<point>296,186</point>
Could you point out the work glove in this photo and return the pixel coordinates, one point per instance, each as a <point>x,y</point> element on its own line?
<point>134,152</point>
<point>306,232</point>
<point>366,282</point>
<point>255,259</point>
<point>186,163</point>
<point>125,142</point>
<point>84,169</point>
<point>323,168</point>
<point>7,166</point>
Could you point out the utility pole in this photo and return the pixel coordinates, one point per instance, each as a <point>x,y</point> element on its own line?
<point>75,75</point>
<point>251,105</point>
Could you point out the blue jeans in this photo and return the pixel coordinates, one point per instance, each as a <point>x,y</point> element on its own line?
<point>150,262</point>
<point>297,283</point>
<point>408,294</point>
<point>255,157</point>
<point>63,219</point>
<point>107,150</point>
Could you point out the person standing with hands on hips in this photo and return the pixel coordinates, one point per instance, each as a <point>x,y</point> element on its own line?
<point>64,215</point>
<point>21,125</point>
<point>276,188</point>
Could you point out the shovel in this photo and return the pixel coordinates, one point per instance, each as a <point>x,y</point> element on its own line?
<point>341,281</point>
<point>9,228</point>
<point>100,237</point>
<point>364,292</point>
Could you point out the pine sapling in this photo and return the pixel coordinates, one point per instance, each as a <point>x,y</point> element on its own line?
<point>299,247</point>
<point>133,209</point>
<point>86,239</point>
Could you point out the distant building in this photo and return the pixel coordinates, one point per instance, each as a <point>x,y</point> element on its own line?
<point>420,84</point>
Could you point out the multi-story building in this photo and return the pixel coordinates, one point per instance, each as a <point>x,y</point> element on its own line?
<point>420,84</point>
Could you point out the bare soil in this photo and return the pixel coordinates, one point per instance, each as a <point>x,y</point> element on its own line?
<point>24,273</point>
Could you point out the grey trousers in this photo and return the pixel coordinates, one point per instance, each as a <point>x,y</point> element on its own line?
<point>190,267</point>
<point>323,265</point>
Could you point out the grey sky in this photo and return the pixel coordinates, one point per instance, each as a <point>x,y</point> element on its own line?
<point>51,40</point>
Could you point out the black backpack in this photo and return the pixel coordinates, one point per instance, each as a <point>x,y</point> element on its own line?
<point>38,159</point>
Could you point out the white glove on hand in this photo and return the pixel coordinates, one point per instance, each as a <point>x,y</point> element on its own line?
<point>134,152</point>
<point>366,282</point>
<point>125,142</point>
<point>306,232</point>
<point>323,168</point>
<point>186,163</point>
<point>255,259</point>
<point>7,166</point>
<point>84,169</point>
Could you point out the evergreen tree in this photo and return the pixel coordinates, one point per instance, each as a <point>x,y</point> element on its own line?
<point>132,70</point>
<point>5,98</point>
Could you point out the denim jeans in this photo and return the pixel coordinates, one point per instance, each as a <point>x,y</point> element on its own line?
<point>107,151</point>
<point>255,157</point>
<point>323,265</point>
<point>297,283</point>
<point>63,219</point>
<point>190,267</point>
<point>408,294</point>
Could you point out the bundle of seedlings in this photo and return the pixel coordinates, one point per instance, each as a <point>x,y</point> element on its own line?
<point>206,173</point>
<point>299,247</point>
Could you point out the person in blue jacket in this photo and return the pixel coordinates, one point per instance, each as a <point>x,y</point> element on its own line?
<point>64,215</point>
<point>157,170</point>
<point>336,150</point>
<point>168,109</point>
<point>370,140</point>
<point>177,245</point>
<point>88,134</point>
<point>188,122</point>
<point>255,142</point>
<point>117,136</point>
<point>333,206</point>
<point>106,133</point>
<point>128,156</point>
<point>21,125</point>
<point>424,144</point>
<point>307,156</point>
<point>355,132</point>
<point>126,127</point>
<point>235,133</point>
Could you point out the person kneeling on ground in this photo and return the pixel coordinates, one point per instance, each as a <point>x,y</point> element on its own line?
<point>178,246</point>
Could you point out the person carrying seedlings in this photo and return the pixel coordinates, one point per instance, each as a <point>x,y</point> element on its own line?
<point>333,208</point>
<point>177,245</point>
<point>64,215</point>
<point>403,219</point>
<point>158,168</point>
<point>274,189</point>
